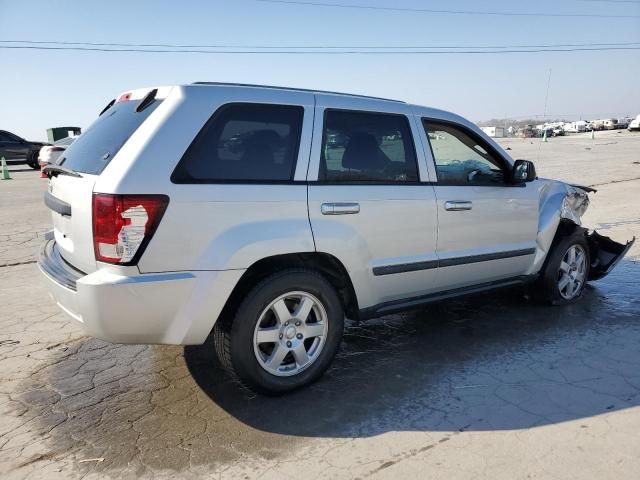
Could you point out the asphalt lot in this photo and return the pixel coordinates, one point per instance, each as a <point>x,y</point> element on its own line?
<point>491,386</point>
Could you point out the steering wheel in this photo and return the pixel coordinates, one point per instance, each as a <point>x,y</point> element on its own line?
<point>472,175</point>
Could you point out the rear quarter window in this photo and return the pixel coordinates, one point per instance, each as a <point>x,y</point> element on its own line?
<point>244,142</point>
<point>92,151</point>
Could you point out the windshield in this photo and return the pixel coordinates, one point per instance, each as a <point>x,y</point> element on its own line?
<point>92,151</point>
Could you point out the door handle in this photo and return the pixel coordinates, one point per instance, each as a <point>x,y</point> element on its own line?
<point>340,208</point>
<point>457,205</point>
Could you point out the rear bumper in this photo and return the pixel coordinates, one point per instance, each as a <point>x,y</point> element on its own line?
<point>177,308</point>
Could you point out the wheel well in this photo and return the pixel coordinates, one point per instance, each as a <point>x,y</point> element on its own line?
<point>565,228</point>
<point>328,265</point>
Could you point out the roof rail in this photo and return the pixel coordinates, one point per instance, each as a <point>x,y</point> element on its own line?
<point>295,90</point>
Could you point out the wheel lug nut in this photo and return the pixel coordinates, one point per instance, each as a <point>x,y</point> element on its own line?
<point>286,323</point>
<point>299,336</point>
<point>280,336</point>
<point>289,344</point>
<point>298,323</point>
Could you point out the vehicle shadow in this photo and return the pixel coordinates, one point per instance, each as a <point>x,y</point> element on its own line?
<point>492,362</point>
<point>489,362</point>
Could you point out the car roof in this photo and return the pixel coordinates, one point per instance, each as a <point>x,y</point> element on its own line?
<point>65,141</point>
<point>418,109</point>
<point>423,111</point>
<point>293,89</point>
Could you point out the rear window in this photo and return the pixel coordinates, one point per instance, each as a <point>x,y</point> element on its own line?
<point>244,142</point>
<point>92,151</point>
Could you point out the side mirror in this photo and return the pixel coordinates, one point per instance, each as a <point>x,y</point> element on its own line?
<point>523,171</point>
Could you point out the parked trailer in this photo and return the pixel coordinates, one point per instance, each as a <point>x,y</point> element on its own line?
<point>494,132</point>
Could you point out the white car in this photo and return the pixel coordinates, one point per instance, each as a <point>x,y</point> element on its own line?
<point>226,209</point>
<point>634,125</point>
<point>49,154</point>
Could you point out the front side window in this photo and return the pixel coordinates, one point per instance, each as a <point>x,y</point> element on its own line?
<point>244,142</point>
<point>367,147</point>
<point>461,160</point>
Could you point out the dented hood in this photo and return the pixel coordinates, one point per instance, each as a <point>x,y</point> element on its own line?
<point>560,200</point>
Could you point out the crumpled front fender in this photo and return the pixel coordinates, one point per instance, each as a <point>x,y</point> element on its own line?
<point>560,202</point>
<point>557,201</point>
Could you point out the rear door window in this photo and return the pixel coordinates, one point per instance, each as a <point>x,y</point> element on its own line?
<point>92,151</point>
<point>366,147</point>
<point>244,142</point>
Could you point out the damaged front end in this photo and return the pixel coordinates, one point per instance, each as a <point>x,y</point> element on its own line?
<point>561,208</point>
<point>605,254</point>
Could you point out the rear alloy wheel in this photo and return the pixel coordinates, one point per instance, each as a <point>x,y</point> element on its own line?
<point>285,333</point>
<point>290,334</point>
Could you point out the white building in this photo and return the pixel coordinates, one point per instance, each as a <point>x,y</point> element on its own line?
<point>494,132</point>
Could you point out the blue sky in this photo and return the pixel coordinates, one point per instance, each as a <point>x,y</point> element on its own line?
<point>40,89</point>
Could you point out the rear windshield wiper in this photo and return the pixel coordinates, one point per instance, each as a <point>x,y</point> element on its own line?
<point>53,170</point>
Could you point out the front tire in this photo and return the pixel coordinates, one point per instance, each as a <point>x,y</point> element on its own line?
<point>285,333</point>
<point>566,271</point>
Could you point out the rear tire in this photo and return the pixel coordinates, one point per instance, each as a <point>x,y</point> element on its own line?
<point>565,273</point>
<point>284,335</point>
<point>32,160</point>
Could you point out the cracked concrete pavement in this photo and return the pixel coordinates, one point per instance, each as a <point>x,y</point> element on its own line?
<point>491,386</point>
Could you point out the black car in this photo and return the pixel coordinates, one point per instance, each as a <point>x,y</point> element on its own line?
<point>18,150</point>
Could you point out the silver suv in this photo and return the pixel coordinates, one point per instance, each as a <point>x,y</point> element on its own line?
<point>266,216</point>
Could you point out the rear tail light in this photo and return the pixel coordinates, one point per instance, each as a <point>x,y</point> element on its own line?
<point>124,224</point>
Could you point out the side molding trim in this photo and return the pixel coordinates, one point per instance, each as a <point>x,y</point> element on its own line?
<point>449,262</point>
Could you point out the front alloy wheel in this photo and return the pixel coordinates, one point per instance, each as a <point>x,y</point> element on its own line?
<point>566,270</point>
<point>572,272</point>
